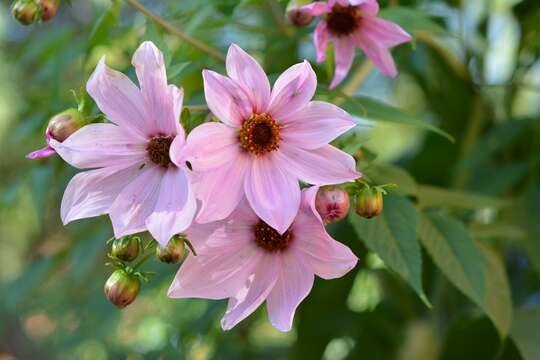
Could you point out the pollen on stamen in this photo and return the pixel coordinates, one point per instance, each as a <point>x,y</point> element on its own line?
<point>269,239</point>
<point>259,134</point>
<point>343,21</point>
<point>158,150</point>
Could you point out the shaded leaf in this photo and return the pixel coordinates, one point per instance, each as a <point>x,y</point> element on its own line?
<point>525,332</point>
<point>386,173</point>
<point>413,20</point>
<point>432,196</point>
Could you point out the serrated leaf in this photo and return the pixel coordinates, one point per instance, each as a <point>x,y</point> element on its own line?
<point>453,251</point>
<point>432,196</point>
<point>525,332</point>
<point>392,235</point>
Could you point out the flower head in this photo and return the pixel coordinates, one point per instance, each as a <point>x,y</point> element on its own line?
<point>266,142</point>
<point>351,24</point>
<point>248,262</point>
<point>133,179</point>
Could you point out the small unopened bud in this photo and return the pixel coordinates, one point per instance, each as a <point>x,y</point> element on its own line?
<point>122,288</point>
<point>296,15</point>
<point>25,11</point>
<point>173,252</point>
<point>369,203</point>
<point>332,203</point>
<point>48,9</point>
<point>126,248</point>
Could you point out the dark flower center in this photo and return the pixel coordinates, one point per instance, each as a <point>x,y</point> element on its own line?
<point>343,21</point>
<point>259,134</point>
<point>158,150</point>
<point>269,239</point>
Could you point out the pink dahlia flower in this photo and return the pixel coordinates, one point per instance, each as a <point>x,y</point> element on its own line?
<point>133,179</point>
<point>266,141</point>
<point>351,24</point>
<point>245,260</point>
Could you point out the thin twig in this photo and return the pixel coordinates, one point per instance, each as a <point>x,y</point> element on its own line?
<point>170,28</point>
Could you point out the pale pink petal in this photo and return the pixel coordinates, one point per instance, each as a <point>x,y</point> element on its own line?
<point>91,193</point>
<point>327,258</point>
<point>294,283</point>
<point>177,151</point>
<point>218,275</point>
<point>119,99</point>
<point>136,202</point>
<point>332,3</point>
<point>320,39</point>
<point>293,90</point>
<point>227,101</point>
<point>384,32</point>
<point>44,152</point>
<point>248,299</point>
<point>175,207</point>
<point>177,96</point>
<point>315,125</point>
<point>344,48</point>
<point>159,102</point>
<point>209,146</point>
<point>221,189</point>
<point>369,7</point>
<point>247,72</point>
<point>316,8</point>
<point>309,195</point>
<point>99,145</point>
<point>324,166</point>
<point>273,193</point>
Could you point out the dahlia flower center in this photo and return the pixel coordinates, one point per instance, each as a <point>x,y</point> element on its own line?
<point>158,150</point>
<point>259,134</point>
<point>342,21</point>
<point>269,239</point>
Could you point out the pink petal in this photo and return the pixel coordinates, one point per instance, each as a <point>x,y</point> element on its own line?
<point>218,275</point>
<point>316,125</point>
<point>324,166</point>
<point>45,152</point>
<point>136,202</point>
<point>369,7</point>
<point>316,8</point>
<point>332,3</point>
<point>99,145</point>
<point>247,72</point>
<point>309,195</point>
<point>177,151</point>
<point>91,193</point>
<point>248,299</point>
<point>344,49</point>
<point>177,96</point>
<point>327,258</point>
<point>320,39</point>
<point>227,101</point>
<point>293,285</point>
<point>383,32</point>
<point>209,146</point>
<point>273,194</point>
<point>175,207</point>
<point>221,189</point>
<point>293,90</point>
<point>119,99</point>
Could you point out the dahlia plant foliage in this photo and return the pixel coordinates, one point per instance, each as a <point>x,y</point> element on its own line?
<point>264,169</point>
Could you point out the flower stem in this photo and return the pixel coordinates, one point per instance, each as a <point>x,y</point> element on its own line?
<point>143,260</point>
<point>170,28</point>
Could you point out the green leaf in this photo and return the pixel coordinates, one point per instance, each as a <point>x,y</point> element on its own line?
<point>381,173</point>
<point>392,235</point>
<point>412,20</point>
<point>376,110</point>
<point>153,34</point>
<point>525,332</point>
<point>431,196</point>
<point>175,70</point>
<point>101,30</point>
<point>447,241</point>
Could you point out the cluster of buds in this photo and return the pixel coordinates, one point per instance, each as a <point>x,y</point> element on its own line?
<point>30,11</point>
<point>173,252</point>
<point>296,16</point>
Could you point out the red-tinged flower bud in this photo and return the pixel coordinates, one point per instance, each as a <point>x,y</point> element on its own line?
<point>369,203</point>
<point>332,203</point>
<point>122,288</point>
<point>173,252</point>
<point>25,11</point>
<point>48,9</point>
<point>126,248</point>
<point>296,16</point>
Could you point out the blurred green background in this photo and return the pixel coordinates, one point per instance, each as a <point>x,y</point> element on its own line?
<point>473,72</point>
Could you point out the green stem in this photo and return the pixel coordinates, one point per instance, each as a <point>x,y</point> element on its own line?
<point>143,260</point>
<point>170,28</point>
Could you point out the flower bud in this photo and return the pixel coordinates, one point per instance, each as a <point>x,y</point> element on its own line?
<point>26,12</point>
<point>369,203</point>
<point>48,9</point>
<point>173,252</point>
<point>126,248</point>
<point>122,288</point>
<point>60,127</point>
<point>332,203</point>
<point>296,16</point>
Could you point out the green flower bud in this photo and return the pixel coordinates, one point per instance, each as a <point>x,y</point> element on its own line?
<point>62,125</point>
<point>121,289</point>
<point>173,252</point>
<point>126,248</point>
<point>369,203</point>
<point>25,11</point>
